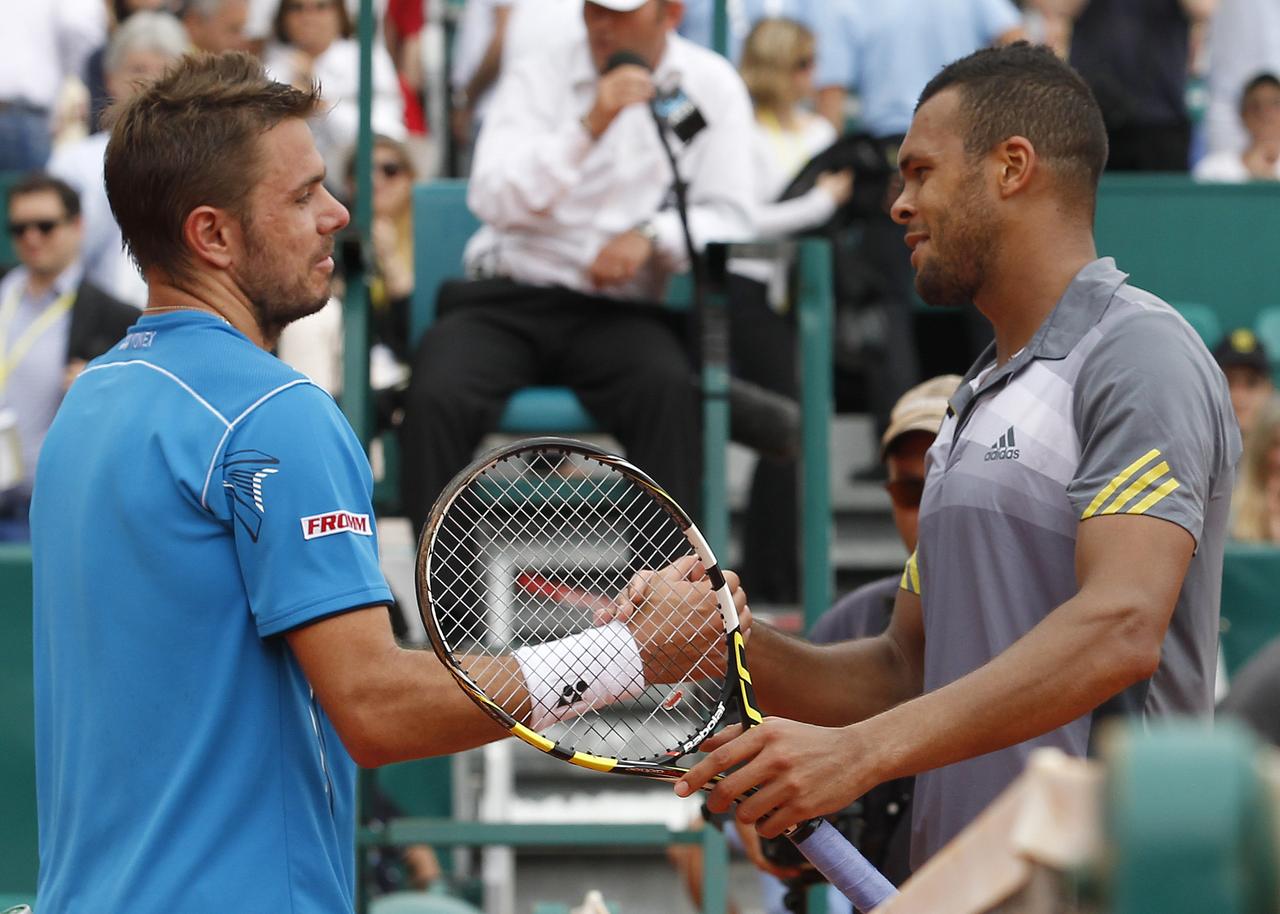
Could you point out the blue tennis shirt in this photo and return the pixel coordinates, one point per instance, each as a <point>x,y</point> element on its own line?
<point>194,499</point>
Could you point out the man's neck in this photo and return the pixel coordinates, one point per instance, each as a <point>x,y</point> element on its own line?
<point>1027,283</point>
<point>212,295</point>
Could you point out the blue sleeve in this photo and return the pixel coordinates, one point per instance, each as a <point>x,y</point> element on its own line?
<point>697,22</point>
<point>998,17</point>
<point>835,50</point>
<point>299,489</point>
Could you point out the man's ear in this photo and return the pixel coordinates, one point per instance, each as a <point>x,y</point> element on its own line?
<point>211,235</point>
<point>1017,164</point>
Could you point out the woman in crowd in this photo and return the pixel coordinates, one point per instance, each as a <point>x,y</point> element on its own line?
<point>312,43</point>
<point>1256,501</point>
<point>777,67</point>
<point>313,345</point>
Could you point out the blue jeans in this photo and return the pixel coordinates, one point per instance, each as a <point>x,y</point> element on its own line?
<point>24,139</point>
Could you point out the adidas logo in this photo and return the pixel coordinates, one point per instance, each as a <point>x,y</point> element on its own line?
<point>1004,449</point>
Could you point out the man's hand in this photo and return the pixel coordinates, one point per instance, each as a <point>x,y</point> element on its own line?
<point>620,260</point>
<point>674,616</point>
<point>800,771</point>
<point>620,87</point>
<point>751,846</point>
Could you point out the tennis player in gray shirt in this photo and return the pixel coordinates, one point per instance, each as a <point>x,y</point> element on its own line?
<point>1071,532</point>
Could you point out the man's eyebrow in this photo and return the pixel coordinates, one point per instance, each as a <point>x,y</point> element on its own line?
<point>308,182</point>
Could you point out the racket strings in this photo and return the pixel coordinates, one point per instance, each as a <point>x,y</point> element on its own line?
<point>534,550</point>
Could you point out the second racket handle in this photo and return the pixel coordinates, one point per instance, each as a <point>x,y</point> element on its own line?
<point>846,869</point>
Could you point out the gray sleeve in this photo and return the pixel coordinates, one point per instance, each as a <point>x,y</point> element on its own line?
<point>1151,414</point>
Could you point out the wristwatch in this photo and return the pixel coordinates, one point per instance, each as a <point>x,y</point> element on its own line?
<point>648,232</point>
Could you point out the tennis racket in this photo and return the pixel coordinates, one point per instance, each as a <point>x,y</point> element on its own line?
<point>577,604</point>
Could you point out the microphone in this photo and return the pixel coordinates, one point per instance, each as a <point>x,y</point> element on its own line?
<point>671,107</point>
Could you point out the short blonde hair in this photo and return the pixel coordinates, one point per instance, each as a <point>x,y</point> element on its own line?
<point>773,51</point>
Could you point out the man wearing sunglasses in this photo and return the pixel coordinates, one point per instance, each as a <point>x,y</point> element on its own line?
<point>51,324</point>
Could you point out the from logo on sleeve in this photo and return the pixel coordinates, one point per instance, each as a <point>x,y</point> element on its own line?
<point>328,524</point>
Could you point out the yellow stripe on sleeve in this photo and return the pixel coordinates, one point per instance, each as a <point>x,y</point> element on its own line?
<point>1121,478</point>
<point>1151,500</point>
<point>1140,485</point>
<point>911,576</point>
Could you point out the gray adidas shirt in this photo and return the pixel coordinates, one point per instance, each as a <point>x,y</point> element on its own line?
<point>1115,406</point>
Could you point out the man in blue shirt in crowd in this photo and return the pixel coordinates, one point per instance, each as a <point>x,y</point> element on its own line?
<point>213,653</point>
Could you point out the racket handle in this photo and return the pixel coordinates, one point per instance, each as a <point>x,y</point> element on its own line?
<point>846,869</point>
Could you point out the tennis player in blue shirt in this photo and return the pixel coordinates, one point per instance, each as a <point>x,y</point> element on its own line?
<point>212,643</point>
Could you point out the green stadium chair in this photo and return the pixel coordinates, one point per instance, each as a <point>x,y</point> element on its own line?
<point>440,211</point>
<point>420,903</point>
<point>1267,327</point>
<point>1203,319</point>
<point>18,861</point>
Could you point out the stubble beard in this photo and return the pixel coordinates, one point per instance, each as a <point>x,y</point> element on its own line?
<point>952,277</point>
<point>278,299</point>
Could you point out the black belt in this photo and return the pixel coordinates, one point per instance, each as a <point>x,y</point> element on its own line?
<point>22,106</point>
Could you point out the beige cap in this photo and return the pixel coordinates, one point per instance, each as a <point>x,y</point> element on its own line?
<point>921,409</point>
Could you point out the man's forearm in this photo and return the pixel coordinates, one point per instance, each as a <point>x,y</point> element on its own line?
<point>1075,659</point>
<point>830,685</point>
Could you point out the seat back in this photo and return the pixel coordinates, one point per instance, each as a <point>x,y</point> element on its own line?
<point>442,225</point>
<point>18,862</point>
<point>1267,327</point>
<point>1203,320</point>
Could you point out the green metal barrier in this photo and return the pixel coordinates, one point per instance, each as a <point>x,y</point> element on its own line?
<point>1187,241</point>
<point>18,861</point>
<point>1188,822</point>
<point>1250,605</point>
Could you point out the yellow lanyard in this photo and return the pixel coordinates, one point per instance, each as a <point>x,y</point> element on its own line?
<point>11,358</point>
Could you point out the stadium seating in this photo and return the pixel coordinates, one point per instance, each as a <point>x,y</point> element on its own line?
<point>1203,319</point>
<point>17,729</point>
<point>1267,328</point>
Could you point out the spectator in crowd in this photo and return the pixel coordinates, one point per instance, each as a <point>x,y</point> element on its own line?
<point>262,13</point>
<point>1244,40</point>
<point>216,25</point>
<point>777,68</point>
<point>572,183</point>
<point>1260,159</point>
<point>477,61</point>
<point>1245,363</point>
<point>138,53</point>
<point>1134,54</point>
<point>313,345</point>
<point>887,52</point>
<point>41,43</point>
<point>698,24</point>
<point>312,43</point>
<point>52,321</point>
<point>1255,504</point>
<point>95,72</point>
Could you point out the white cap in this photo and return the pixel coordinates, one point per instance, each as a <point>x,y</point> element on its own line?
<point>620,6</point>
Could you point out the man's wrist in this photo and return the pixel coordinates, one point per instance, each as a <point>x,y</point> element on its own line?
<point>649,232</point>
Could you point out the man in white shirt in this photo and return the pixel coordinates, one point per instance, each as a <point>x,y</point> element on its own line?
<point>579,240</point>
<point>1259,160</point>
<point>41,44</point>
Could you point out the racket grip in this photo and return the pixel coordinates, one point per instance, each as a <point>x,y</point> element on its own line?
<point>845,868</point>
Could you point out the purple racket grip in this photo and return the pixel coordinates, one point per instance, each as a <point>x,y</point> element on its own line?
<point>845,868</point>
